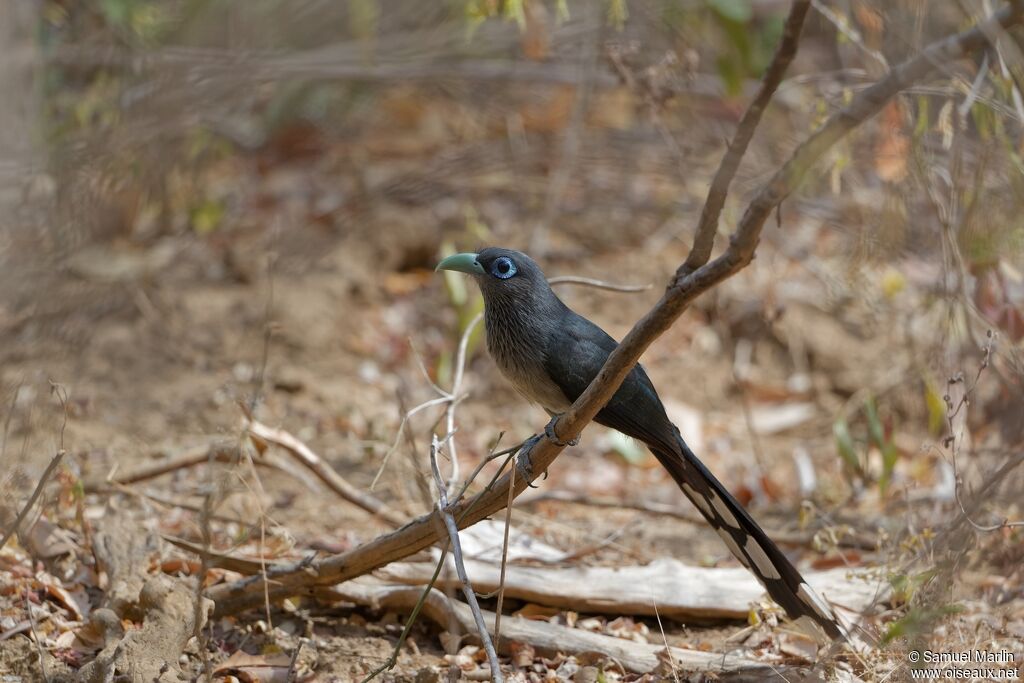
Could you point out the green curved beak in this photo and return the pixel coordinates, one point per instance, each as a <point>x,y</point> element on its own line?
<point>463,263</point>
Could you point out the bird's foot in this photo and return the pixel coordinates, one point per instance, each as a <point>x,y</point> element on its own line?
<point>524,467</point>
<point>549,431</point>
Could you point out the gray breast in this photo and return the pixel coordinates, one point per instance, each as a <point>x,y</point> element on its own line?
<point>519,351</point>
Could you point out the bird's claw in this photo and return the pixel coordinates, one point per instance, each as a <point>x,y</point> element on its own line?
<point>549,431</point>
<point>523,465</point>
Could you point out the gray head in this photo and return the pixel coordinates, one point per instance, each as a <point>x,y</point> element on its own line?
<point>521,315</point>
<point>506,277</point>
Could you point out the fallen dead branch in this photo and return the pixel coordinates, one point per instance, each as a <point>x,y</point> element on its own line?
<point>690,282</point>
<point>549,639</point>
<point>681,591</point>
<point>221,451</point>
<point>263,434</point>
<point>220,560</point>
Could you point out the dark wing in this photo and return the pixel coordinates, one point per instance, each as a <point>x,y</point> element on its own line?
<point>576,352</point>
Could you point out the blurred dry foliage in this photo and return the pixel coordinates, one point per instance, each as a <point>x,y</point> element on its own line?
<point>204,203</point>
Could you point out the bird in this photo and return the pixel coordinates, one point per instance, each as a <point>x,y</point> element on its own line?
<point>550,354</point>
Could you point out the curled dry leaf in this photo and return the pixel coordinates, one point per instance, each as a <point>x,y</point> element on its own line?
<point>271,668</point>
<point>798,645</point>
<point>838,559</point>
<point>77,607</point>
<point>523,654</point>
<point>625,627</point>
<point>537,612</point>
<point>465,659</point>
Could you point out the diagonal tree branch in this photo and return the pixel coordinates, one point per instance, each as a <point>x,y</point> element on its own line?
<point>423,531</point>
<point>707,226</point>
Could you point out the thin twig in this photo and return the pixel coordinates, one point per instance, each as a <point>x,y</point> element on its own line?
<point>953,440</point>
<point>597,284</point>
<point>460,566</point>
<point>707,226</point>
<point>204,570</point>
<point>664,639</point>
<point>35,636</point>
<point>460,370</point>
<point>413,615</point>
<point>33,498</point>
<point>842,25</point>
<point>293,665</point>
<point>225,452</point>
<point>62,396</point>
<point>447,398</point>
<point>441,400</point>
<point>7,420</point>
<point>504,558</point>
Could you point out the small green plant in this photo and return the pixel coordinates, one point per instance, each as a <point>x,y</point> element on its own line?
<point>854,452</point>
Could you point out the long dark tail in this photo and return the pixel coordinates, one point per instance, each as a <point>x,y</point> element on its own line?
<point>745,538</point>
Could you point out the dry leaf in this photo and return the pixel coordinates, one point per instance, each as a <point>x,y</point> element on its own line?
<point>523,654</point>
<point>798,645</point>
<point>892,147</point>
<point>537,612</point>
<point>268,668</point>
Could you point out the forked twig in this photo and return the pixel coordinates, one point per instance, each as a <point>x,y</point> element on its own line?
<point>447,398</point>
<point>460,566</point>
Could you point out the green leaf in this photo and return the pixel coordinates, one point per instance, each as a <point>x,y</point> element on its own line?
<point>515,11</point>
<point>739,11</point>
<point>877,437</point>
<point>917,621</point>
<point>936,407</point>
<point>923,117</point>
<point>561,11</point>
<point>617,13</point>
<point>627,448</point>
<point>890,454</point>
<point>844,444</point>
<point>207,216</point>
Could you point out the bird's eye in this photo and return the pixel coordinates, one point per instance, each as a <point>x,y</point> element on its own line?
<point>503,268</point>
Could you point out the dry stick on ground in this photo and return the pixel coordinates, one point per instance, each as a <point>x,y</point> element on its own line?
<point>423,532</point>
<point>548,639</point>
<point>327,474</point>
<point>221,451</point>
<point>683,592</point>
